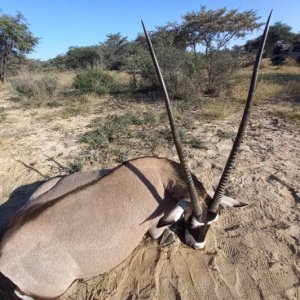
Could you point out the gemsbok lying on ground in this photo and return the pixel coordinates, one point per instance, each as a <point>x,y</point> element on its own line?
<point>85,224</point>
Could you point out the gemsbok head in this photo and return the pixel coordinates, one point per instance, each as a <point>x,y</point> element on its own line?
<point>84,224</point>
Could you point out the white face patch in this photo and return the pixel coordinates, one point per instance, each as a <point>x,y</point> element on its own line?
<point>177,212</point>
<point>195,223</point>
<point>189,239</point>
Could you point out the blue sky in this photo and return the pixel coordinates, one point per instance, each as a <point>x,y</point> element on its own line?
<point>64,23</point>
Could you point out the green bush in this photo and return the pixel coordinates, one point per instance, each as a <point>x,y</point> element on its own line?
<point>113,129</point>
<point>94,81</point>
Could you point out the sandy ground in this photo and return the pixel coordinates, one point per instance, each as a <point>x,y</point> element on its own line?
<point>251,252</point>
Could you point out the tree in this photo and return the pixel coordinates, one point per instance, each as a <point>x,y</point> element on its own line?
<point>115,51</point>
<point>277,32</point>
<point>212,30</point>
<point>172,33</point>
<point>83,57</point>
<point>59,62</point>
<point>171,59</point>
<point>15,39</point>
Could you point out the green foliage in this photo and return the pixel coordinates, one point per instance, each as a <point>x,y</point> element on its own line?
<point>122,156</point>
<point>114,129</point>
<point>15,38</point>
<point>214,29</point>
<point>220,67</point>
<point>94,81</point>
<point>171,61</point>
<point>34,89</point>
<point>74,167</point>
<point>277,32</point>
<point>194,76</point>
<point>115,51</point>
<point>188,75</point>
<point>59,62</point>
<point>81,57</point>
<point>197,144</point>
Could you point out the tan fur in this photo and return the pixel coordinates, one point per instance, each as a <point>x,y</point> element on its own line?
<point>88,225</point>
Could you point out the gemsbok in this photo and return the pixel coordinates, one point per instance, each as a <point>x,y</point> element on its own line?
<point>85,224</point>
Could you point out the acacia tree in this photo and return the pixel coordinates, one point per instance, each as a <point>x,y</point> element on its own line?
<point>15,39</point>
<point>115,51</point>
<point>213,30</point>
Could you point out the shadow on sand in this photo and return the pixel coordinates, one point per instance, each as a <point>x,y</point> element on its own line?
<point>17,200</point>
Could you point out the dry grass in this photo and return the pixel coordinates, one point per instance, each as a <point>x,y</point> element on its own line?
<point>121,78</point>
<point>274,82</point>
<point>18,176</point>
<point>4,86</point>
<point>34,89</point>
<point>214,109</point>
<point>65,78</point>
<point>287,111</point>
<point>2,114</point>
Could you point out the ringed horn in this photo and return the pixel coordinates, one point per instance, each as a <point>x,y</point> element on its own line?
<point>198,211</point>
<point>214,207</point>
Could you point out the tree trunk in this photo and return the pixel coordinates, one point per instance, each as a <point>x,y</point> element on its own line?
<point>2,73</point>
<point>2,68</point>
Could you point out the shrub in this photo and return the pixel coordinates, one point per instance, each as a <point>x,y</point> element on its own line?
<point>197,144</point>
<point>94,81</point>
<point>220,67</point>
<point>34,89</point>
<point>171,60</point>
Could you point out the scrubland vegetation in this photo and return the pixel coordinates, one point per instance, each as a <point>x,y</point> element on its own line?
<point>128,119</point>
<point>116,82</point>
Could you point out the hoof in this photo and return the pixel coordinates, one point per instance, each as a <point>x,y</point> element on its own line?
<point>167,238</point>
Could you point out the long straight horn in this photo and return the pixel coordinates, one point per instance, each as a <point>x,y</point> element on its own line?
<point>238,140</point>
<point>197,209</point>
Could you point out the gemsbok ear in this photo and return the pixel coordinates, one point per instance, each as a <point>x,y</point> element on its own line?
<point>175,214</point>
<point>227,202</point>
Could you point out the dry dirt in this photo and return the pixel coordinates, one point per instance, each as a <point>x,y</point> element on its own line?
<point>251,253</point>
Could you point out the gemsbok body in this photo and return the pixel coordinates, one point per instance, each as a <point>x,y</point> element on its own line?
<point>85,224</point>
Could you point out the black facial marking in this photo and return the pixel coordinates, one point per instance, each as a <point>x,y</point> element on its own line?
<point>179,227</point>
<point>211,216</point>
<point>199,233</point>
